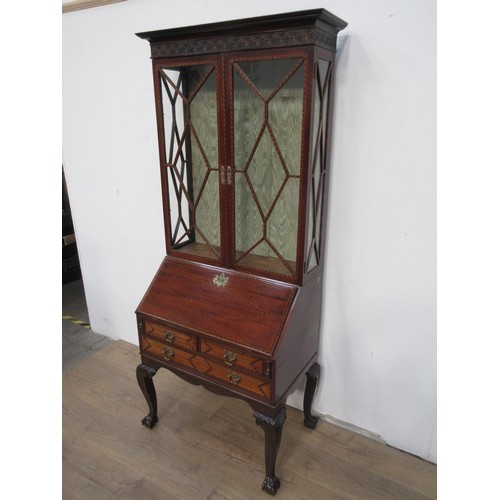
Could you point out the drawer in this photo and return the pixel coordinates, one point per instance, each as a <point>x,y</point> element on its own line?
<point>231,357</point>
<point>169,335</point>
<point>165,352</point>
<point>238,379</point>
<point>199,363</point>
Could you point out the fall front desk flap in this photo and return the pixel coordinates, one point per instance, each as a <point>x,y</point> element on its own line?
<point>226,304</point>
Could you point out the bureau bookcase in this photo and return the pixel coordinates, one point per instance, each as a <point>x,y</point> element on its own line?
<point>243,111</point>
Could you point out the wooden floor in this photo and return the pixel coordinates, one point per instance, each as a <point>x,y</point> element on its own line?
<point>208,447</point>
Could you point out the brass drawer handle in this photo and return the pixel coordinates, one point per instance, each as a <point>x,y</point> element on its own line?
<point>168,354</point>
<point>229,358</point>
<point>169,336</point>
<point>233,378</point>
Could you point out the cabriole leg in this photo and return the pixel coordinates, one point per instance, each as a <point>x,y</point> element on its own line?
<point>272,429</point>
<point>311,384</point>
<point>145,376</point>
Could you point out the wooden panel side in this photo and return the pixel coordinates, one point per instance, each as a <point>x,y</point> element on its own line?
<point>299,341</point>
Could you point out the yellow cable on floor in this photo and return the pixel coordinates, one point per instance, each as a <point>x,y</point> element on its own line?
<point>76,321</point>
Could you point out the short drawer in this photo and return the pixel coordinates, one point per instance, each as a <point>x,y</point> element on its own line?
<point>231,357</point>
<point>165,352</point>
<point>169,335</point>
<point>199,363</point>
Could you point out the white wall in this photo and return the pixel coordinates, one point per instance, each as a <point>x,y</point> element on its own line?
<point>378,348</point>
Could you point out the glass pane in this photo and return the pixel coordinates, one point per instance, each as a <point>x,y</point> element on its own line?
<point>311,262</point>
<point>191,153</point>
<point>179,211</point>
<point>315,208</point>
<point>206,224</point>
<point>264,258</point>
<point>249,227</point>
<point>267,133</point>
<point>266,173</point>
<point>173,112</point>
<point>316,174</point>
<point>248,119</point>
<point>266,75</point>
<point>282,224</point>
<point>203,116</point>
<point>323,71</point>
<point>285,120</point>
<point>316,111</point>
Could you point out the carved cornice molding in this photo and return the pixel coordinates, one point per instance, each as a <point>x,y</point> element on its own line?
<point>326,40</point>
<point>273,39</point>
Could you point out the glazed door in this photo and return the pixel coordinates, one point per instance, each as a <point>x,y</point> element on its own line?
<point>267,106</point>
<point>189,126</point>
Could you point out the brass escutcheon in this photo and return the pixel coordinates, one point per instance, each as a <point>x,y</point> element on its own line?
<point>168,354</point>
<point>229,358</point>
<point>169,336</point>
<point>221,280</point>
<point>233,378</point>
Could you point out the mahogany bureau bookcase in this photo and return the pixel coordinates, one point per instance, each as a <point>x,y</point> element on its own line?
<point>243,111</point>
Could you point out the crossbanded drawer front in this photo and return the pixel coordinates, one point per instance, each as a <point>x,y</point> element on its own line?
<point>238,379</point>
<point>165,352</point>
<point>231,357</point>
<point>170,336</point>
<point>199,363</point>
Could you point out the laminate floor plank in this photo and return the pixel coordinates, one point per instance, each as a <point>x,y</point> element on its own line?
<point>208,447</point>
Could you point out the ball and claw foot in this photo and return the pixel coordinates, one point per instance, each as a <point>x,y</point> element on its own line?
<point>150,421</point>
<point>271,485</point>
<point>310,422</point>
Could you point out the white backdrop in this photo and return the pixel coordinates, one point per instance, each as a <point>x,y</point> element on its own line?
<point>378,337</point>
